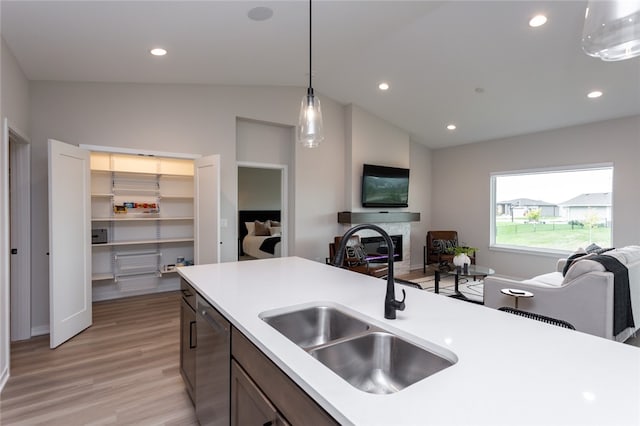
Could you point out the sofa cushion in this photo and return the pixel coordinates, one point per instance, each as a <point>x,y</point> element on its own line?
<point>552,279</point>
<point>580,267</point>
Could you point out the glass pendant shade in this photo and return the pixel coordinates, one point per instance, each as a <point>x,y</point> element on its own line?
<point>612,30</point>
<point>310,132</point>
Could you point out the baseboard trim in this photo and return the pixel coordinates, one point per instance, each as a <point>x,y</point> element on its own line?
<point>4,377</point>
<point>39,330</point>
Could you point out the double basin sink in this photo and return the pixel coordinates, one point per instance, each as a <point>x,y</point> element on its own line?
<point>367,356</point>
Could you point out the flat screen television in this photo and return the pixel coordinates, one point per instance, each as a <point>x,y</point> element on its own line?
<point>385,186</point>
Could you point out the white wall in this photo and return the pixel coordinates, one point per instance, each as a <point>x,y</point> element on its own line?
<point>371,140</point>
<point>461,193</point>
<point>258,189</point>
<point>14,105</point>
<point>195,119</point>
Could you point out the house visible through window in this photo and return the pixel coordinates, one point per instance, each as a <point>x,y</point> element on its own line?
<point>559,210</point>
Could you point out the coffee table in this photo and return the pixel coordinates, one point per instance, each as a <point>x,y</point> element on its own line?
<point>472,271</point>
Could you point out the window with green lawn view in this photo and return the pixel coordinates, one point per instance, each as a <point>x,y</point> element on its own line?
<point>552,209</point>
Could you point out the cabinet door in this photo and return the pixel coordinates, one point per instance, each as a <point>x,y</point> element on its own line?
<point>188,346</point>
<point>249,406</point>
<point>69,241</point>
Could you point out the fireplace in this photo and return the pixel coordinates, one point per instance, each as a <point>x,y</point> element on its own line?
<point>376,248</point>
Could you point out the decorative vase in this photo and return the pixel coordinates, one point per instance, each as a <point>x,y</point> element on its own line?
<point>461,259</point>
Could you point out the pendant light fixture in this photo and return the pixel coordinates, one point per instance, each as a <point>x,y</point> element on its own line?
<point>310,132</point>
<point>612,29</point>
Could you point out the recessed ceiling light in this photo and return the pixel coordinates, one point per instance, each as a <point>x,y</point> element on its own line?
<point>158,51</point>
<point>451,126</point>
<point>383,86</point>
<point>538,21</point>
<point>260,13</point>
<point>594,94</point>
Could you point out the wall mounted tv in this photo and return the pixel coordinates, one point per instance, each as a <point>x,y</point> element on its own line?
<point>385,186</point>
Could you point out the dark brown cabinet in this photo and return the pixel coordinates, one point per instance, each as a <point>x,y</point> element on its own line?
<point>249,406</point>
<point>230,380</point>
<point>269,389</point>
<point>188,338</point>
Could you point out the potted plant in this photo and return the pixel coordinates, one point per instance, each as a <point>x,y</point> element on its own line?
<point>461,255</point>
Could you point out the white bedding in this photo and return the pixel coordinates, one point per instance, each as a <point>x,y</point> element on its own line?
<point>251,246</point>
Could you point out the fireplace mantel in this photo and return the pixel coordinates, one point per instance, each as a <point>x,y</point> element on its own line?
<point>377,217</point>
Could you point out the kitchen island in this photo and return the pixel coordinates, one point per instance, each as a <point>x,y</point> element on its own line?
<point>508,371</point>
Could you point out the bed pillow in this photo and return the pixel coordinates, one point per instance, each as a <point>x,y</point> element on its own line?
<point>261,229</point>
<point>250,228</point>
<point>275,231</point>
<point>274,223</point>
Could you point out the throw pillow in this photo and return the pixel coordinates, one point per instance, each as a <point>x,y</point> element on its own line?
<point>355,255</point>
<point>592,248</point>
<point>575,256</point>
<point>274,223</point>
<point>443,246</point>
<point>261,228</point>
<point>582,266</point>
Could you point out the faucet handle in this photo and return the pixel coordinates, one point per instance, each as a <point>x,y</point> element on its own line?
<point>399,304</point>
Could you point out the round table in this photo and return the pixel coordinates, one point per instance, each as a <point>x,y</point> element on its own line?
<point>516,293</point>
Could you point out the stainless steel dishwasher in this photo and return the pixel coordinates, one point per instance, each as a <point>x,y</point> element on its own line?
<point>213,366</point>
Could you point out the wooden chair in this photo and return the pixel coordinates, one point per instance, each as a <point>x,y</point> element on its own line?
<point>435,253</point>
<point>357,263</point>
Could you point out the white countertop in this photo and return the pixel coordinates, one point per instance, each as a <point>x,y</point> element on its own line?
<point>509,370</point>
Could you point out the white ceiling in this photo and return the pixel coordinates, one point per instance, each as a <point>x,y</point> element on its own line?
<point>433,54</point>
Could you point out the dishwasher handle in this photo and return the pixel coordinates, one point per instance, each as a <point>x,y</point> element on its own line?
<point>209,316</point>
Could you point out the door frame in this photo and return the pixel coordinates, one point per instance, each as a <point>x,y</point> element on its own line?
<point>20,225</point>
<point>284,200</point>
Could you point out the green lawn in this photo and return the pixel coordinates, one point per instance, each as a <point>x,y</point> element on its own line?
<point>551,235</point>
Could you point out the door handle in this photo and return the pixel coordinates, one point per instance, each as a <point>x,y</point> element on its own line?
<point>192,342</point>
<point>14,251</point>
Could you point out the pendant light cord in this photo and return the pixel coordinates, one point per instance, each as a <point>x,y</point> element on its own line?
<point>310,45</point>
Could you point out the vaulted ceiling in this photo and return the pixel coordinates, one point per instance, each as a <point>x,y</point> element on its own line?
<point>475,64</point>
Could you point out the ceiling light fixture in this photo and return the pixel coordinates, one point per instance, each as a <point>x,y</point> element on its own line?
<point>158,51</point>
<point>537,21</point>
<point>594,94</point>
<point>383,86</point>
<point>310,132</point>
<point>451,127</point>
<point>612,29</point>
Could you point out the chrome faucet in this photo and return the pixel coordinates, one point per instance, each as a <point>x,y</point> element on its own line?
<point>391,305</point>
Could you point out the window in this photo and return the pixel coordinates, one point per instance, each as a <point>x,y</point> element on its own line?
<point>552,210</point>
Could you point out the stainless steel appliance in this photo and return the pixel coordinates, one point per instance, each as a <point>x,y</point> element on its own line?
<point>188,338</point>
<point>213,366</point>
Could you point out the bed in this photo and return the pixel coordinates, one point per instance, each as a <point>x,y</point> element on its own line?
<point>267,243</point>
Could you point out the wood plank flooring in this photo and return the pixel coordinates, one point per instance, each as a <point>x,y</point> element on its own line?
<point>123,370</point>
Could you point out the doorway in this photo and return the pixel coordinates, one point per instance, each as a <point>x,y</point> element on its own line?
<point>19,233</point>
<point>262,198</point>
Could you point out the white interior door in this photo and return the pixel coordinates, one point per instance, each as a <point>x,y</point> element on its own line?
<point>69,241</point>
<point>207,210</point>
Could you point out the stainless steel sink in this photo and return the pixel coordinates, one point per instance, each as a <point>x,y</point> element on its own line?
<point>316,325</point>
<point>367,356</point>
<point>380,362</point>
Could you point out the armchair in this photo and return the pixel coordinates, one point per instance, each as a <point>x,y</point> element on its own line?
<point>437,244</point>
<point>355,258</point>
<point>584,297</point>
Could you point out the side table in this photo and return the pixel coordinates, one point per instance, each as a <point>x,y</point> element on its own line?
<point>517,294</point>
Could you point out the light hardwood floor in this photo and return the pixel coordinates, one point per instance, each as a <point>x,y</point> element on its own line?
<point>123,370</point>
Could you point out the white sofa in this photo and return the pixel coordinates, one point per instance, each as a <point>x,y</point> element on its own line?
<point>584,298</point>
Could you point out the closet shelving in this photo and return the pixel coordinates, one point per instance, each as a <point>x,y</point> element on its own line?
<point>146,207</point>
